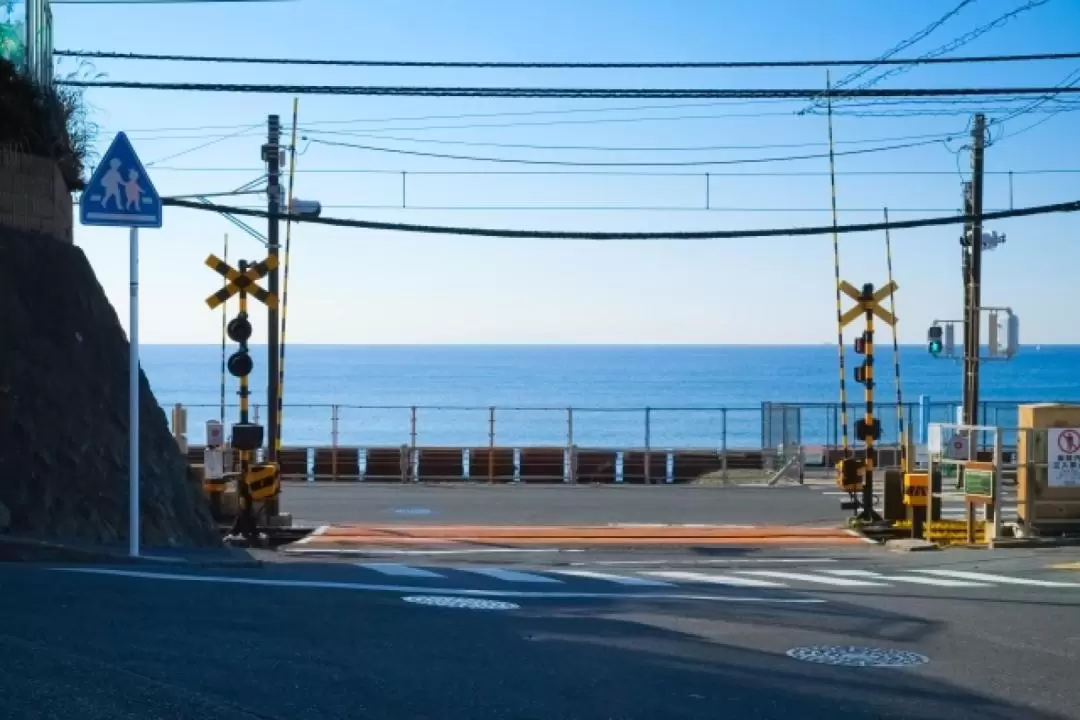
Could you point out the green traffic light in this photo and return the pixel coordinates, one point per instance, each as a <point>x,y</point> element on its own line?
<point>935,347</point>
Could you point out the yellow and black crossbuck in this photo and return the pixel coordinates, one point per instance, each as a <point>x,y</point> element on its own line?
<point>246,281</point>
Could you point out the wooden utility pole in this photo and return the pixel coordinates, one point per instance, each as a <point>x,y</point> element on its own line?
<point>973,275</point>
<point>272,156</point>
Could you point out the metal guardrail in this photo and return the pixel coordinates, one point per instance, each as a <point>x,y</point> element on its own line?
<point>738,427</point>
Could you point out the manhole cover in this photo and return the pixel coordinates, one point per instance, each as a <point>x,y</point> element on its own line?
<point>464,603</point>
<point>854,656</point>
<point>412,511</point>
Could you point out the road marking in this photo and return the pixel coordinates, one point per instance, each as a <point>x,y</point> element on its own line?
<point>329,585</point>
<point>399,570</point>
<point>715,579</point>
<point>620,579</point>
<point>1066,566</point>
<point>699,561</point>
<point>510,575</point>
<point>806,577</point>
<point>1003,579</point>
<point>313,534</point>
<point>940,582</point>
<point>368,551</point>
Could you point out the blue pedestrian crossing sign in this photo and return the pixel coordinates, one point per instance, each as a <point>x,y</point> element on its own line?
<point>120,193</point>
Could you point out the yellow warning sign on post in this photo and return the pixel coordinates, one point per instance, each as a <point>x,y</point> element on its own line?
<point>262,481</point>
<point>916,489</point>
<point>864,303</point>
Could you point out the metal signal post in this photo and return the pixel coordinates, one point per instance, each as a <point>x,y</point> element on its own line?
<point>257,483</point>
<point>857,474</point>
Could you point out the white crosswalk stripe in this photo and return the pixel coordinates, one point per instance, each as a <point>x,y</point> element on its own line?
<point>400,570</point>
<point>787,577</point>
<point>1001,579</point>
<point>618,579</point>
<point>713,578</point>
<point>807,577</point>
<point>940,582</point>
<point>510,575</point>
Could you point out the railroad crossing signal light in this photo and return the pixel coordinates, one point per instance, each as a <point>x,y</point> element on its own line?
<point>240,363</point>
<point>934,341</point>
<point>862,373</point>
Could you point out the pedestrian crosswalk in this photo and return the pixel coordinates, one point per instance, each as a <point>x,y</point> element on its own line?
<point>787,577</point>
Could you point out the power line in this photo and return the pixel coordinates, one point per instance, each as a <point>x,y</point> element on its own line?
<point>577,93</point>
<point>621,173</point>
<point>937,137</point>
<point>885,58</point>
<point>719,64</point>
<point>964,39</point>
<point>1066,207</point>
<point>594,208</point>
<point>657,163</point>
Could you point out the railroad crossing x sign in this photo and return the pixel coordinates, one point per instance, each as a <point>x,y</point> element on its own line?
<point>246,281</point>
<point>863,304</point>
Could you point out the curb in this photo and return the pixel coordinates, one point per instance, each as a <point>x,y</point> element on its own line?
<point>14,549</point>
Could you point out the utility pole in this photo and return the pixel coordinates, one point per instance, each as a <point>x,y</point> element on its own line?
<point>973,279</point>
<point>272,156</point>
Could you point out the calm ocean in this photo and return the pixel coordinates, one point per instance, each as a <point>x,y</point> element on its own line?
<point>532,385</point>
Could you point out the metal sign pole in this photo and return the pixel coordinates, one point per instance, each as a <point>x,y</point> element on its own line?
<point>119,194</point>
<point>133,400</point>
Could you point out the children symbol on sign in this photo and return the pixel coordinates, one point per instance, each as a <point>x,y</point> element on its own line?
<point>111,181</point>
<point>132,191</point>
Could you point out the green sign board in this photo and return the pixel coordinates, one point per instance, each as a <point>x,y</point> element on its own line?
<point>979,482</point>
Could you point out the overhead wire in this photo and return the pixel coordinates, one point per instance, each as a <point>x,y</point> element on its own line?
<point>625,173</point>
<point>555,92</point>
<point>955,43</point>
<point>611,148</point>
<point>202,146</point>
<point>666,65</point>
<point>886,58</point>
<point>1064,207</point>
<point>645,163</point>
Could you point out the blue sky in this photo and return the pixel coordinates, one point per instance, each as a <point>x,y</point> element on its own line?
<point>350,286</point>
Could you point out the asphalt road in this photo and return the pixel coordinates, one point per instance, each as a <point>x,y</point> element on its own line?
<point>320,640</point>
<point>559,504</point>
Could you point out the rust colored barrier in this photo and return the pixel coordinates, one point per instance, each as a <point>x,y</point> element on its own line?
<point>385,464</point>
<point>634,466</point>
<point>542,465</point>
<point>688,466</point>
<point>293,463</point>
<point>501,466</point>
<point>437,464</point>
<point>336,464</point>
<point>595,466</point>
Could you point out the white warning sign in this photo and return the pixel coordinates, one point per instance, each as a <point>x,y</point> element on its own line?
<point>1063,457</point>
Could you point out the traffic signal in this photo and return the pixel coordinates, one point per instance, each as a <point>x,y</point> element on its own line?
<point>862,372</point>
<point>934,341</point>
<point>240,363</point>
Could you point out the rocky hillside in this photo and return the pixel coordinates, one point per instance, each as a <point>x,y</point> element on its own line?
<point>64,411</point>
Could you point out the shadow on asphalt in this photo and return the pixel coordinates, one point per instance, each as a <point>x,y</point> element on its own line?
<point>105,647</point>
